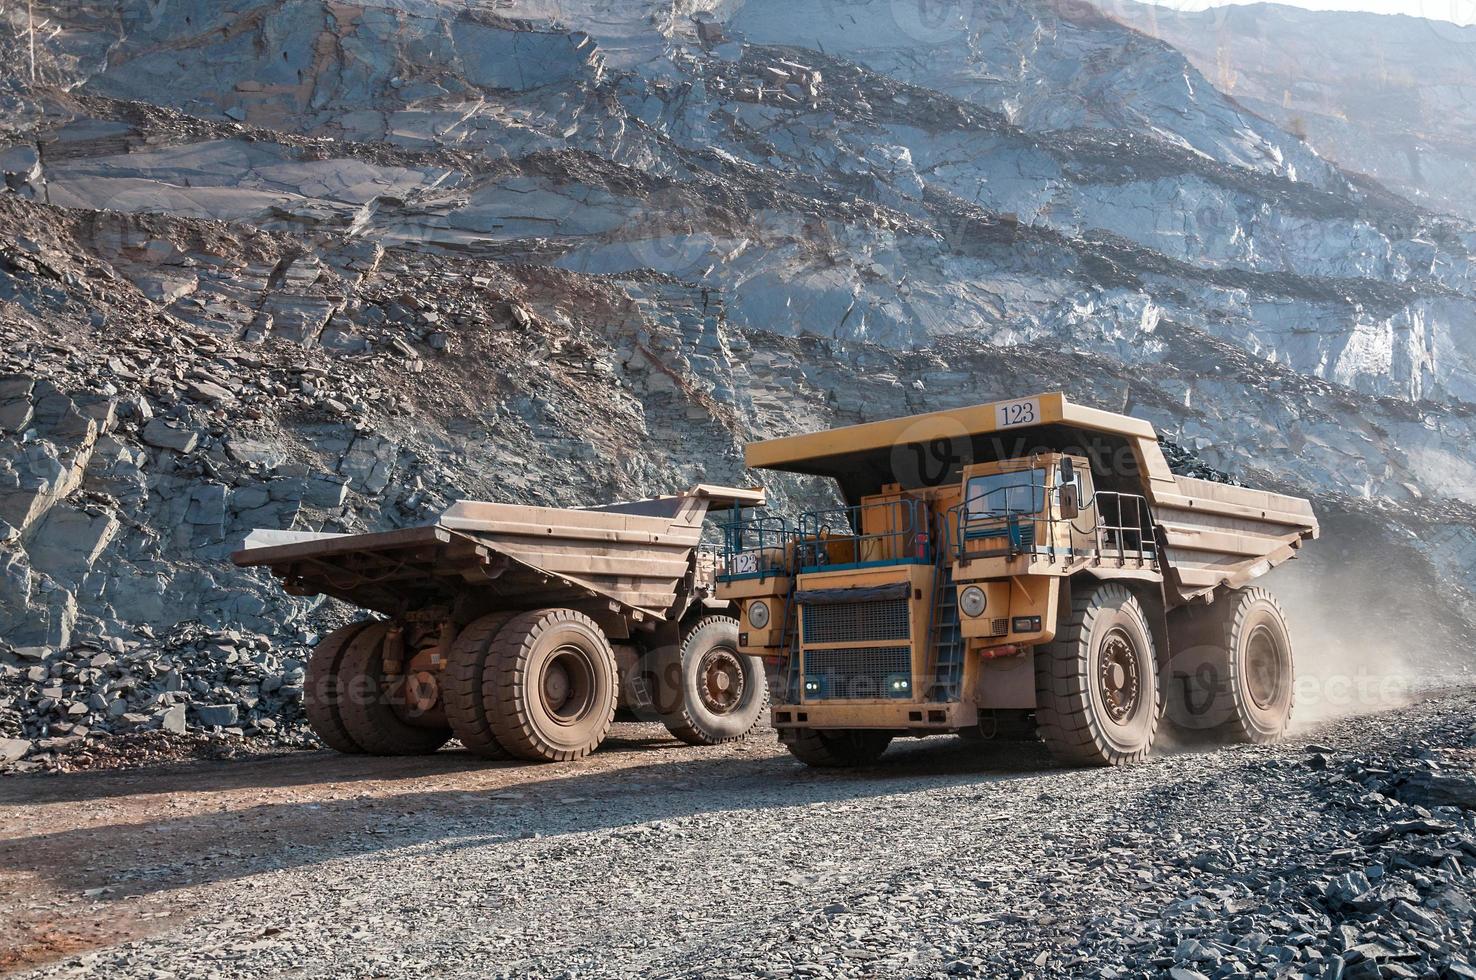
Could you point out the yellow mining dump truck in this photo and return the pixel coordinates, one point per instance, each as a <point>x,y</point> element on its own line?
<point>1022,561</point>
<point>521,630</point>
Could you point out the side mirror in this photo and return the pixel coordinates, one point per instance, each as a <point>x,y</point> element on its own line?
<point>1070,505</point>
<point>1068,470</point>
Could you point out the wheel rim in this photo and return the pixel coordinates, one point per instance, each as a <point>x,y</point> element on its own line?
<point>568,683</point>
<point>422,691</point>
<point>1117,680</point>
<point>720,681</point>
<point>1263,669</point>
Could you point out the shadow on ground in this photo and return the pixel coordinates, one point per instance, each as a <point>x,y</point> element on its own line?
<point>466,797</point>
<point>270,771</point>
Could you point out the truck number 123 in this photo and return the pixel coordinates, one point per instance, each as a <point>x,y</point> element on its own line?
<point>1023,412</point>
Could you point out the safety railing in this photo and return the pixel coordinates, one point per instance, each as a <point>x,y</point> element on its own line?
<point>888,532</point>
<point>1124,527</point>
<point>1006,518</point>
<point>1108,527</point>
<point>756,547</point>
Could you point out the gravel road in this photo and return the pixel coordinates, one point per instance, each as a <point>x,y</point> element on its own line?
<point>651,859</point>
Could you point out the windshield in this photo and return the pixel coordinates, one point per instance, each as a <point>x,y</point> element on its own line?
<point>1021,492</point>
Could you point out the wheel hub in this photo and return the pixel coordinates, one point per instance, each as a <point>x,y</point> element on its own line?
<point>568,684</point>
<point>422,691</point>
<point>556,685</point>
<point>1263,671</point>
<point>1118,681</point>
<point>720,681</point>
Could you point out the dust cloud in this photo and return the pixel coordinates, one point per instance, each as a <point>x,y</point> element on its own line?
<point>1370,630</point>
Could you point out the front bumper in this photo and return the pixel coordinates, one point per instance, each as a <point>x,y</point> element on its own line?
<point>925,718</point>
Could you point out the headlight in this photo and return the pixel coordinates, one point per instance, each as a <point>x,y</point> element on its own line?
<point>758,614</point>
<point>972,601</point>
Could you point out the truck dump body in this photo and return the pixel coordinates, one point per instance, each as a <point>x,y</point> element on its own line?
<point>1213,534</point>
<point>1216,534</point>
<point>633,555</point>
<point>522,630</point>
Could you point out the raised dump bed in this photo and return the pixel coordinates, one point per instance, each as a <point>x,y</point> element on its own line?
<point>521,629</point>
<point>1024,565</point>
<point>1217,535</point>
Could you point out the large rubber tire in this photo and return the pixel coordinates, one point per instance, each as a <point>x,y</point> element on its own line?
<point>1232,671</point>
<point>720,693</point>
<point>1097,690</point>
<point>461,690</point>
<point>322,690</point>
<point>550,685</point>
<point>836,749</point>
<point>368,711</point>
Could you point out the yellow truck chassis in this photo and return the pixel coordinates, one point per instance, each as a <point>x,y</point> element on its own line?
<point>1030,557</point>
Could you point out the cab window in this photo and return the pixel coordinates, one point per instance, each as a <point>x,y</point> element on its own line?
<point>1074,482</point>
<point>1021,492</point>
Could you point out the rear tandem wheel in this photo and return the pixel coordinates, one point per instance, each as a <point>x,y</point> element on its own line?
<point>323,690</point>
<point>368,709</point>
<point>1231,673</point>
<point>550,685</point>
<point>461,692</point>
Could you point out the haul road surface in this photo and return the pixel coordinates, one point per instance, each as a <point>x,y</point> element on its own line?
<point>651,858</point>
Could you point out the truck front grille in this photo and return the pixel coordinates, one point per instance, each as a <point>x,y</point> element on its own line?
<point>856,622</point>
<point>867,673</point>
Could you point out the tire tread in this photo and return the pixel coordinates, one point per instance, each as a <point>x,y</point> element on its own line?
<point>501,686</point>
<point>462,692</point>
<point>1230,627</point>
<point>321,707</point>
<point>1064,717</point>
<point>371,721</point>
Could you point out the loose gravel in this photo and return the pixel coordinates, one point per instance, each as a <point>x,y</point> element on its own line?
<point>1347,856</point>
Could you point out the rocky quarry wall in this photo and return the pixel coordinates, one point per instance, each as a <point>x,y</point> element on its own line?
<point>329,266</point>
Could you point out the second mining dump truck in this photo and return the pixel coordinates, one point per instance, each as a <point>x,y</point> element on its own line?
<point>520,630</point>
<point>1024,561</point>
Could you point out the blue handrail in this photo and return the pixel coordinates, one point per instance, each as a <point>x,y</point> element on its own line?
<point>751,547</point>
<point>836,537</point>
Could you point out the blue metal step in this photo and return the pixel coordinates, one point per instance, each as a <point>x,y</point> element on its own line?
<point>791,647</point>
<point>946,636</point>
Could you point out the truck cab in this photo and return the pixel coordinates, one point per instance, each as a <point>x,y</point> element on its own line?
<point>932,600</point>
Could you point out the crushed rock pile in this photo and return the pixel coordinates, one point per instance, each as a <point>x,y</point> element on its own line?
<point>1395,901</point>
<point>79,707</point>
<point>1366,873</point>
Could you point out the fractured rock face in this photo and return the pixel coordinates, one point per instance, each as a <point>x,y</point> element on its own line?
<point>69,541</point>
<point>295,284</point>
<point>166,435</point>
<point>369,463</point>
<point>1384,85</point>
<point>1080,178</point>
